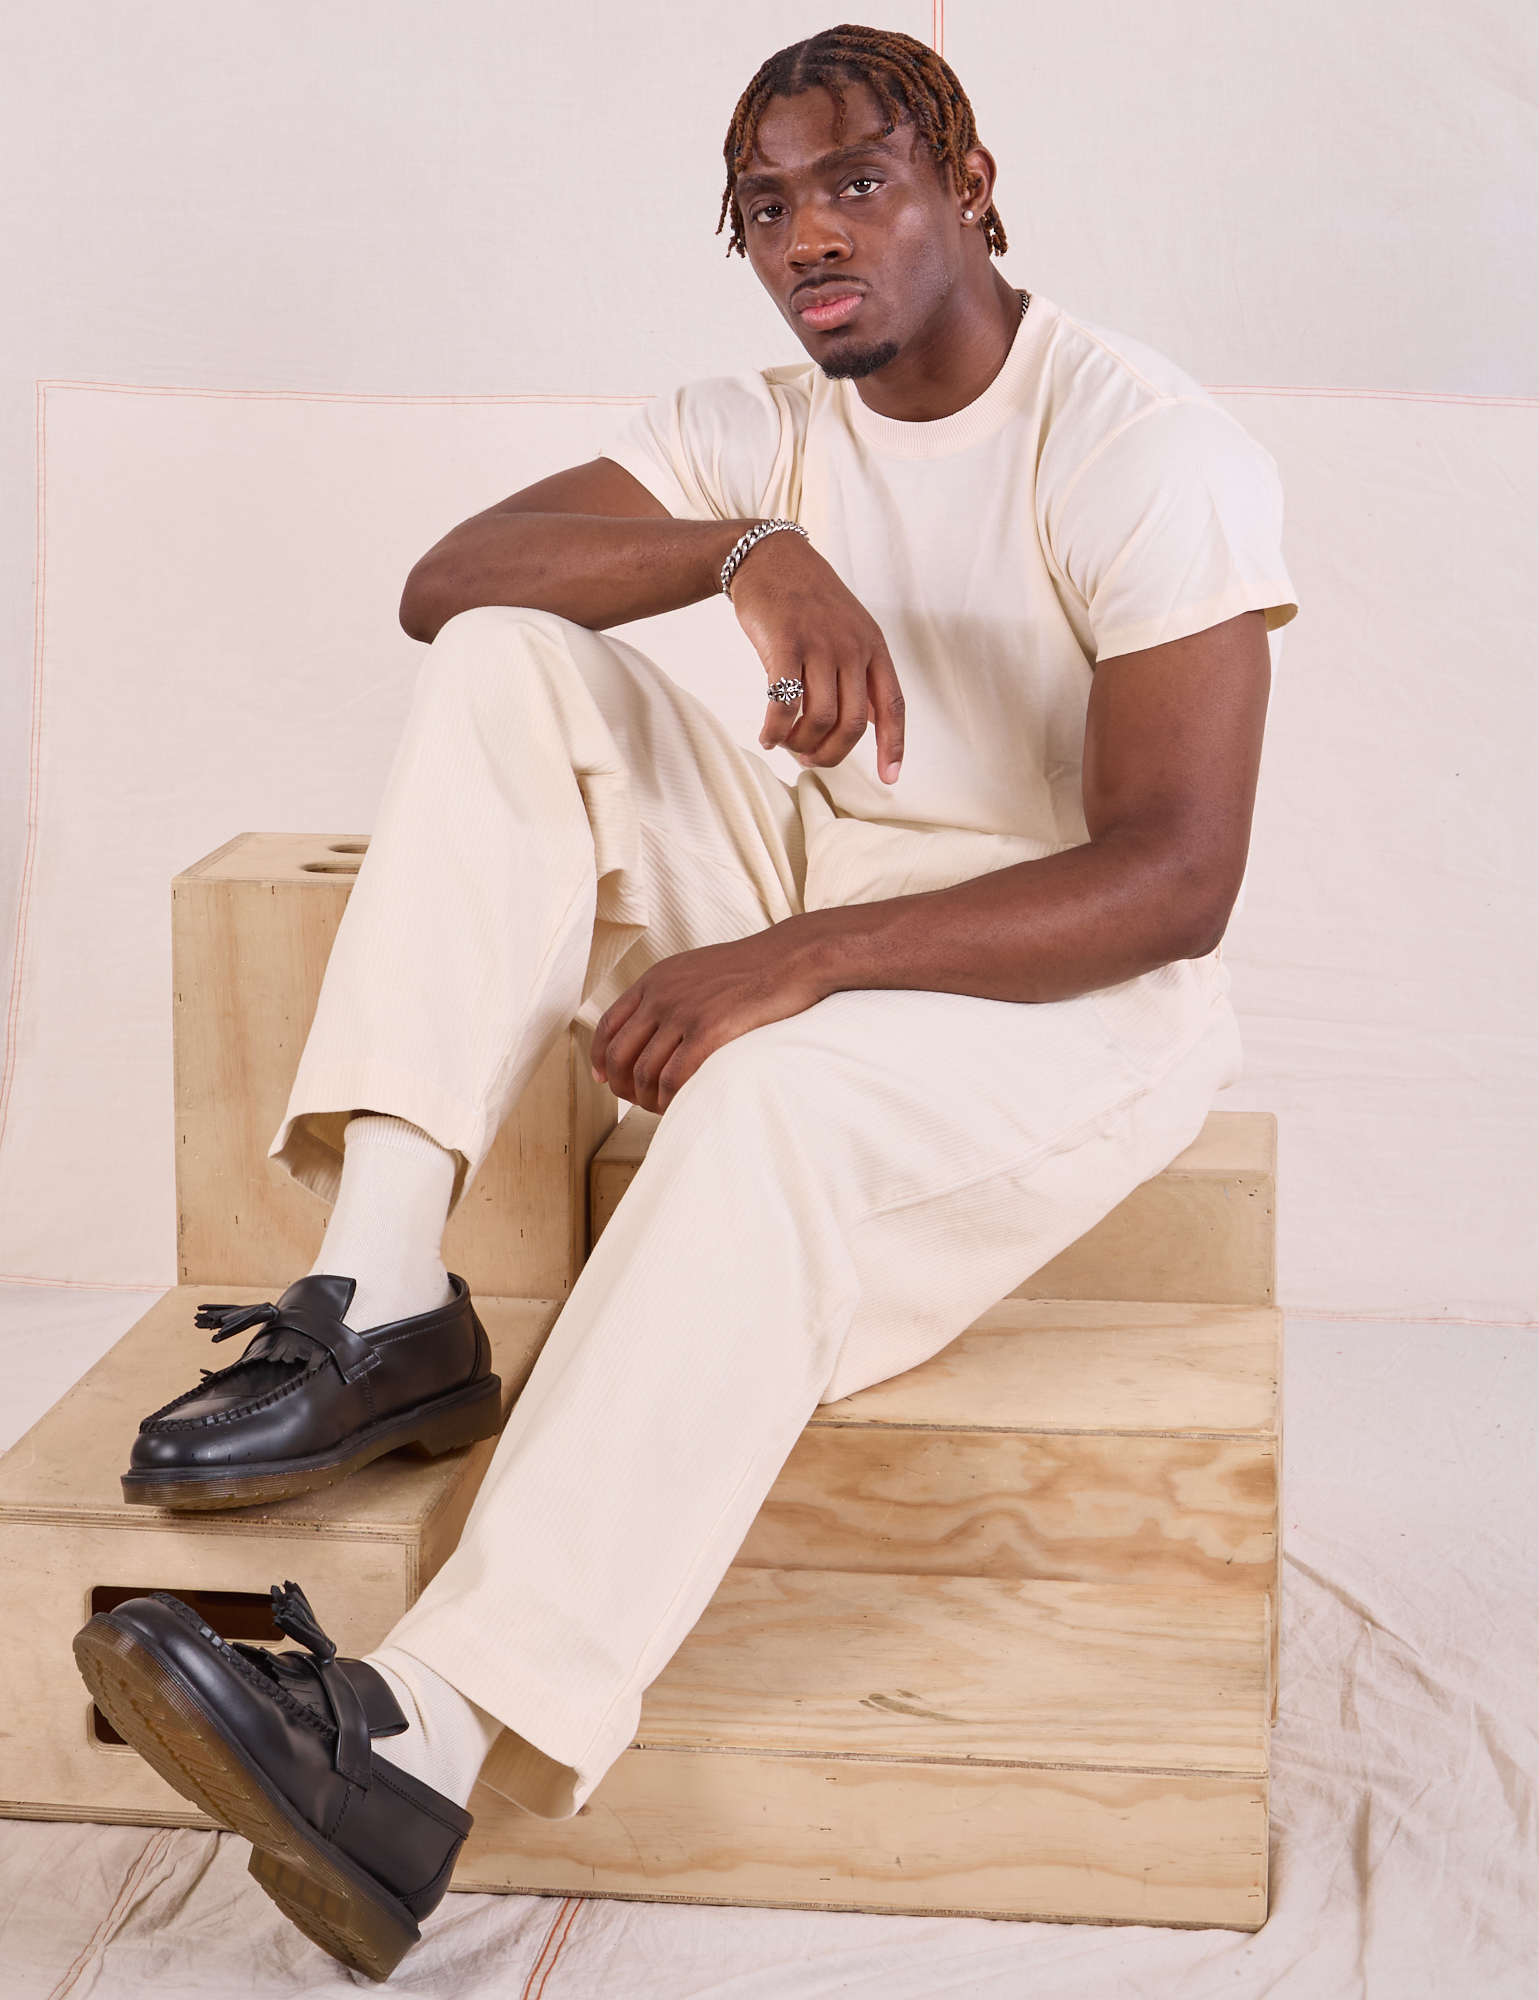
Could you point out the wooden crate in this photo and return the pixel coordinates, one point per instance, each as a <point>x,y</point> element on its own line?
<point>1086,1752</point>
<point>69,1545</point>
<point>1078,1441</point>
<point>1202,1232</point>
<point>252,927</point>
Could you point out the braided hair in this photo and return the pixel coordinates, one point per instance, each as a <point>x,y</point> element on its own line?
<point>907,79</point>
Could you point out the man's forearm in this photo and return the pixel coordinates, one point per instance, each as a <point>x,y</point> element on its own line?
<point>593,569</point>
<point>1043,930</point>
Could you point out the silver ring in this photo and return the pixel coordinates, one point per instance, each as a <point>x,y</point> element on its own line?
<point>786,691</point>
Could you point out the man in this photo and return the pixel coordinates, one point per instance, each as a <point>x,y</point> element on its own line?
<point>916,1022</point>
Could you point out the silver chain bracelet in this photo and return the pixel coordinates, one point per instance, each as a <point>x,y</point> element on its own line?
<point>740,548</point>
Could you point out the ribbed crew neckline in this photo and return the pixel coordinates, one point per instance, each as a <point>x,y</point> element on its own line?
<point>942,437</point>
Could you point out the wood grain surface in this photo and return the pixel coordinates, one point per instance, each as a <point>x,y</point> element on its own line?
<point>252,928</point>
<point>1093,1366</point>
<point>800,1663</point>
<point>1091,1509</point>
<point>1084,1753</point>
<point>807,1833</point>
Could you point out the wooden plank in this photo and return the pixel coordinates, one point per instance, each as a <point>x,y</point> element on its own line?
<point>252,928</point>
<point>928,1840</point>
<point>943,1745</point>
<point>1087,1509</point>
<point>945,1669</point>
<point>1092,1366</point>
<point>1204,1230</point>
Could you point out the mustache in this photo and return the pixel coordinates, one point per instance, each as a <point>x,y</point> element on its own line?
<point>810,285</point>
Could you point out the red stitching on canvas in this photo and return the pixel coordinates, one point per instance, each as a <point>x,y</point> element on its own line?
<point>563,1921</point>
<point>938,26</point>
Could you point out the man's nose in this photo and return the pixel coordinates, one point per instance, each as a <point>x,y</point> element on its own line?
<point>816,237</point>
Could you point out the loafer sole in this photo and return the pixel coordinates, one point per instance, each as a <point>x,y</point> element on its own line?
<point>335,1903</point>
<point>465,1416</point>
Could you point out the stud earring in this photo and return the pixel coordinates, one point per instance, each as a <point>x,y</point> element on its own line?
<point>967,215</point>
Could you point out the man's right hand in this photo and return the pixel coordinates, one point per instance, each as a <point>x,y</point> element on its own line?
<point>593,545</point>
<point>805,624</point>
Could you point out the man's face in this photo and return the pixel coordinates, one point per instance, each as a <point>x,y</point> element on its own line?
<point>855,236</point>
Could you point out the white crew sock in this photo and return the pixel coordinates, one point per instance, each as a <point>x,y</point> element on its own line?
<point>449,1736</point>
<point>387,1228</point>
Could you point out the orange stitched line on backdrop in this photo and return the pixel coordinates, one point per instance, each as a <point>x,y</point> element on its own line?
<point>938,26</point>
<point>562,1922</point>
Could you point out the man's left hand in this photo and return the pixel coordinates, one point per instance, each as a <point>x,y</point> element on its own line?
<point>661,1029</point>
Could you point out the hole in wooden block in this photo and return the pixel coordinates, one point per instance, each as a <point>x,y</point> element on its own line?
<point>327,868</point>
<point>233,1614</point>
<point>348,847</point>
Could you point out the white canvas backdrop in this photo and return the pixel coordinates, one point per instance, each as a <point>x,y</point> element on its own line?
<point>398,200</point>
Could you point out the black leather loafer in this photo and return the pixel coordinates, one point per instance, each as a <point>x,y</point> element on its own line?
<point>276,1746</point>
<point>310,1400</point>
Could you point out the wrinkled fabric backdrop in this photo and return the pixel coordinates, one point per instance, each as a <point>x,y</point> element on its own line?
<point>291,289</point>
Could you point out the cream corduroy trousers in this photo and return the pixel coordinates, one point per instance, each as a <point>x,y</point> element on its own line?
<point>828,1201</point>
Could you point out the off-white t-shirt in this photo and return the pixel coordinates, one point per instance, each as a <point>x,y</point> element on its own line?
<point>1093,501</point>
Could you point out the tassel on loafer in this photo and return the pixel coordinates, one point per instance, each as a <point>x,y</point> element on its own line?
<point>279,1748</point>
<point>310,1400</point>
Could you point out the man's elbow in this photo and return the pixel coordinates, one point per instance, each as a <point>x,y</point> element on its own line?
<point>1201,916</point>
<point>423,613</point>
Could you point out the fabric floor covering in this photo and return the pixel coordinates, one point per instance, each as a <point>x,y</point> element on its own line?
<point>1405,1836</point>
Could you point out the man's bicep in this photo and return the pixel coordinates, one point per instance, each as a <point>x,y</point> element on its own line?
<point>599,487</point>
<point>1173,741</point>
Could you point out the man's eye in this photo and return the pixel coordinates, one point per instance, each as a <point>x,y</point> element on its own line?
<point>770,212</point>
<point>862,184</point>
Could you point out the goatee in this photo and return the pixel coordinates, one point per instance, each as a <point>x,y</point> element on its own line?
<point>853,364</point>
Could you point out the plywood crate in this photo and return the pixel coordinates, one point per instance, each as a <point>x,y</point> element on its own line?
<point>1086,1752</point>
<point>1203,1232</point>
<point>70,1546</point>
<point>252,927</point>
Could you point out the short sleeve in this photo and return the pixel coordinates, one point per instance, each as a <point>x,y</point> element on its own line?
<point>708,451</point>
<point>1172,525</point>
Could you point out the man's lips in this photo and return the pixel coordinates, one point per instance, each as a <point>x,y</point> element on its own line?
<point>827,307</point>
